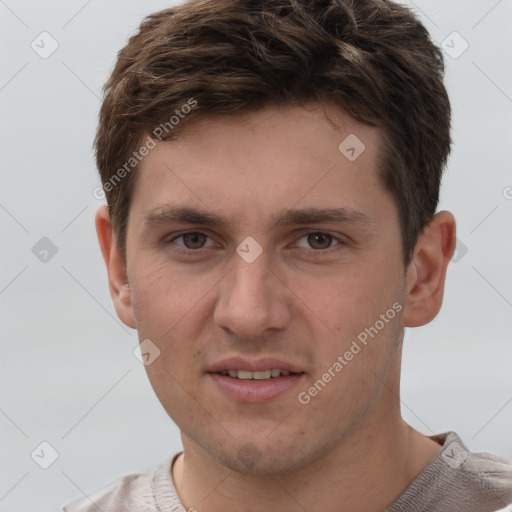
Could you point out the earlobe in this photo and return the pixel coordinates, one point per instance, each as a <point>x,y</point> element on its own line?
<point>426,273</point>
<point>116,268</point>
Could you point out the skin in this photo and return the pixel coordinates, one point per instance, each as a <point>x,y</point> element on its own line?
<point>303,300</point>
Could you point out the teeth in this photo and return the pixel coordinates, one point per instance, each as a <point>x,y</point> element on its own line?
<point>263,375</point>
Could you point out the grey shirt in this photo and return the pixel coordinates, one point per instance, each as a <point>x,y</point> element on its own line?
<point>455,480</point>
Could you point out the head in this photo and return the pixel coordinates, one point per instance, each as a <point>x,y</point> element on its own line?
<point>301,147</point>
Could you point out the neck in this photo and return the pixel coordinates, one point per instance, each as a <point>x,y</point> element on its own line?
<point>366,472</point>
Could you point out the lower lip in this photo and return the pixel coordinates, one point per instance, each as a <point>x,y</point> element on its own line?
<point>252,390</point>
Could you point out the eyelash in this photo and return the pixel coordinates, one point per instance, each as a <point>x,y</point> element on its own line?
<point>316,252</point>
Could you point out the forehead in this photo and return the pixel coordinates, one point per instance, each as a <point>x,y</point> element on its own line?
<point>262,163</point>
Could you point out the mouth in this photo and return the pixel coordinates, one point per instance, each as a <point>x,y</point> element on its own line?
<point>254,381</point>
<point>259,375</point>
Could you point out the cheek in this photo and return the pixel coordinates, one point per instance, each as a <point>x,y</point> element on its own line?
<point>174,389</point>
<point>163,296</point>
<point>343,303</point>
<point>167,307</point>
<point>363,312</point>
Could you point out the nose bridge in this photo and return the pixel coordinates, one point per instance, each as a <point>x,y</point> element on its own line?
<point>250,282</point>
<point>251,299</point>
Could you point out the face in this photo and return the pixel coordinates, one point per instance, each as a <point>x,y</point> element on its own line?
<point>255,244</point>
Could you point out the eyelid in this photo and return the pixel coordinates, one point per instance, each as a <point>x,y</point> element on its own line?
<point>335,238</point>
<point>176,236</point>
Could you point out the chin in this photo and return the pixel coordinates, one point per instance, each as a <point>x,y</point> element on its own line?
<point>264,458</point>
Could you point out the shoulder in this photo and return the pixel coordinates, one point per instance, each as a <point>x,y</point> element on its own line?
<point>483,479</point>
<point>458,479</point>
<point>482,471</point>
<point>147,491</point>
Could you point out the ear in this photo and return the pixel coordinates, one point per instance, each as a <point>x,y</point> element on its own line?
<point>116,268</point>
<point>427,271</point>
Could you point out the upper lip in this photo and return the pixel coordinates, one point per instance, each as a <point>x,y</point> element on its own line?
<point>259,365</point>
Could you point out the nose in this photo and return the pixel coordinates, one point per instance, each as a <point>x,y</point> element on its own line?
<point>252,300</point>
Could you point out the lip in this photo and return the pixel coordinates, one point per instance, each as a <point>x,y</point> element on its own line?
<point>255,390</point>
<point>259,365</point>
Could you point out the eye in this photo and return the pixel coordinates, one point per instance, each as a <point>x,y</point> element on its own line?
<point>191,241</point>
<point>319,241</point>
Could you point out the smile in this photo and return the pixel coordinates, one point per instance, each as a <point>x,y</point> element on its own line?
<point>262,375</point>
<point>258,386</point>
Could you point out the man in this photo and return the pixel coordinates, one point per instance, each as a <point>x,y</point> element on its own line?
<point>272,173</point>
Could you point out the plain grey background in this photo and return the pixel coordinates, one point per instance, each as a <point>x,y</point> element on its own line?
<point>69,376</point>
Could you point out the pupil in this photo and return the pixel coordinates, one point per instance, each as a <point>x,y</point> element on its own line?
<point>323,239</point>
<point>196,240</point>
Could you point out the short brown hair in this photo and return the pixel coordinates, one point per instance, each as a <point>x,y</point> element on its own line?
<point>373,58</point>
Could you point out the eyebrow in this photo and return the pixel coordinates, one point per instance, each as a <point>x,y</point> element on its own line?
<point>170,214</point>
